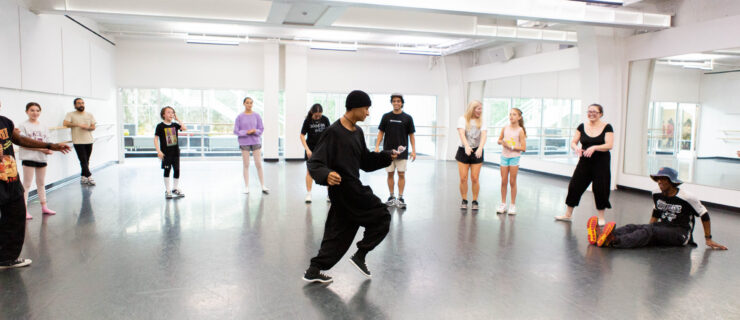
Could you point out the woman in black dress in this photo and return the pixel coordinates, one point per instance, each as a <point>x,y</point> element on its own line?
<point>596,138</point>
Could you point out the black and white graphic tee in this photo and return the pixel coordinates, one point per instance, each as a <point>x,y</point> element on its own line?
<point>678,210</point>
<point>313,130</point>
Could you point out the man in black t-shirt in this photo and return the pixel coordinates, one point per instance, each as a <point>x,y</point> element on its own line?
<point>12,204</point>
<point>396,129</point>
<point>672,222</point>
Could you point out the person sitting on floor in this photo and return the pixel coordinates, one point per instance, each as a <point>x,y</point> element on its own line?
<point>672,223</point>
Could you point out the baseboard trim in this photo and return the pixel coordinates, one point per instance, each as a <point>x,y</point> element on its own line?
<point>33,194</point>
<point>719,158</point>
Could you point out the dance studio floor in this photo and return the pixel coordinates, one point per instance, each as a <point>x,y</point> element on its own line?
<point>119,250</point>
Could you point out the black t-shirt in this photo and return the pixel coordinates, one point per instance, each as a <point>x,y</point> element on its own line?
<point>313,130</point>
<point>677,211</point>
<point>10,186</point>
<point>167,134</point>
<point>588,141</point>
<point>397,128</point>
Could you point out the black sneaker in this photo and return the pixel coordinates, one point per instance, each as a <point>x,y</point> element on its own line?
<point>391,201</point>
<point>475,205</point>
<point>316,277</point>
<point>464,204</point>
<point>360,264</point>
<point>17,263</point>
<point>400,203</point>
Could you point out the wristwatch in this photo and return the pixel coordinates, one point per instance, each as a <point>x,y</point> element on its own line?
<point>48,145</point>
<point>709,237</point>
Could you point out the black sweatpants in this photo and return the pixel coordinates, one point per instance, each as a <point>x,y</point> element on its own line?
<point>83,154</point>
<point>341,227</point>
<point>643,235</point>
<point>595,169</point>
<point>12,227</point>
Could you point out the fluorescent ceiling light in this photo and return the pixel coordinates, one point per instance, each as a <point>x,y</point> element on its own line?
<point>424,51</point>
<point>217,40</point>
<point>703,65</point>
<point>335,46</point>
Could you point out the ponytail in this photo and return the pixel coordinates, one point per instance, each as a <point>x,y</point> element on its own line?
<point>521,120</point>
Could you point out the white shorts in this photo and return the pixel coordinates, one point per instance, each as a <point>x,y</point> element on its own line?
<point>397,165</point>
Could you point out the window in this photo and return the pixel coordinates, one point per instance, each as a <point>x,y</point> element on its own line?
<point>209,115</point>
<point>550,124</point>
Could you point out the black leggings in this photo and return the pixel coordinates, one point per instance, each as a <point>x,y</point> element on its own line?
<point>595,169</point>
<point>175,168</point>
<point>83,154</point>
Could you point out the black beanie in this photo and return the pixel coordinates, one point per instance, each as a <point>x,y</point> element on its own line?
<point>357,99</point>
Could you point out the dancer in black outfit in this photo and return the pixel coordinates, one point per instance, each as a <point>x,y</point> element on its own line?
<point>596,138</point>
<point>336,162</point>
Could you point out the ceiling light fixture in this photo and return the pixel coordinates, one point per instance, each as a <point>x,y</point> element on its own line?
<point>334,46</point>
<point>215,40</point>
<point>420,50</point>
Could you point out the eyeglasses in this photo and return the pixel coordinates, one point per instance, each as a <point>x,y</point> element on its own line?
<point>594,112</point>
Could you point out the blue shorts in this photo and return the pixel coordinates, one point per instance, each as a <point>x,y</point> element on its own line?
<point>506,162</point>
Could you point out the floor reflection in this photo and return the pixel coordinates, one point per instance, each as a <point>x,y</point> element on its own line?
<point>331,306</point>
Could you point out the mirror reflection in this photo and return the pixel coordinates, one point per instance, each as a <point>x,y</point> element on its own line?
<point>685,115</point>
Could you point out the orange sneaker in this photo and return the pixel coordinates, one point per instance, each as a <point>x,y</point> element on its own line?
<point>592,229</point>
<point>604,237</point>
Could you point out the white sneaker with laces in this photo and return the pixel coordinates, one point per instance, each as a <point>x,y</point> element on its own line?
<point>308,198</point>
<point>90,181</point>
<point>265,190</point>
<point>83,180</point>
<point>512,209</point>
<point>501,208</point>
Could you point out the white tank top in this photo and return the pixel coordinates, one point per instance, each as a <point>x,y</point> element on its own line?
<point>511,138</point>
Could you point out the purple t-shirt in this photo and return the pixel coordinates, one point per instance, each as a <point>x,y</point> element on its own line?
<point>245,122</point>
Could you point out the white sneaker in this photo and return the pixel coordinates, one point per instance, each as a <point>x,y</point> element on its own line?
<point>308,198</point>
<point>512,209</point>
<point>265,190</point>
<point>90,181</point>
<point>168,195</point>
<point>501,208</point>
<point>178,193</point>
<point>83,180</point>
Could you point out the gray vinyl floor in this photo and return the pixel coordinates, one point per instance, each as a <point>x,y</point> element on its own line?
<point>119,250</point>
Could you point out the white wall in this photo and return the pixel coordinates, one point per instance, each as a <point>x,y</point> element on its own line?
<point>676,84</point>
<point>51,60</point>
<point>172,63</point>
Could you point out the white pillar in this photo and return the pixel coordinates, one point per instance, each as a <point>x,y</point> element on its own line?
<point>271,96</point>
<point>601,59</point>
<point>296,76</point>
<point>456,104</point>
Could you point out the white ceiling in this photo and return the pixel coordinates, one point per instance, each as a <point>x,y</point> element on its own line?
<point>450,25</point>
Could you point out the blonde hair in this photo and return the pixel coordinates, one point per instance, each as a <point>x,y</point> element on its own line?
<point>469,114</point>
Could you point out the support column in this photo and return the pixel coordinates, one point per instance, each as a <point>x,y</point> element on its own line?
<point>270,118</point>
<point>296,76</point>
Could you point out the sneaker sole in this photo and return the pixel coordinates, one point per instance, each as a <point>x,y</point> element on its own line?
<point>592,229</point>
<point>317,280</point>
<point>360,269</point>
<point>608,228</point>
<point>21,265</point>
<point>511,213</point>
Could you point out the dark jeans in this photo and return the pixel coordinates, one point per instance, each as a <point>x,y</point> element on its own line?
<point>83,153</point>
<point>643,235</point>
<point>12,228</point>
